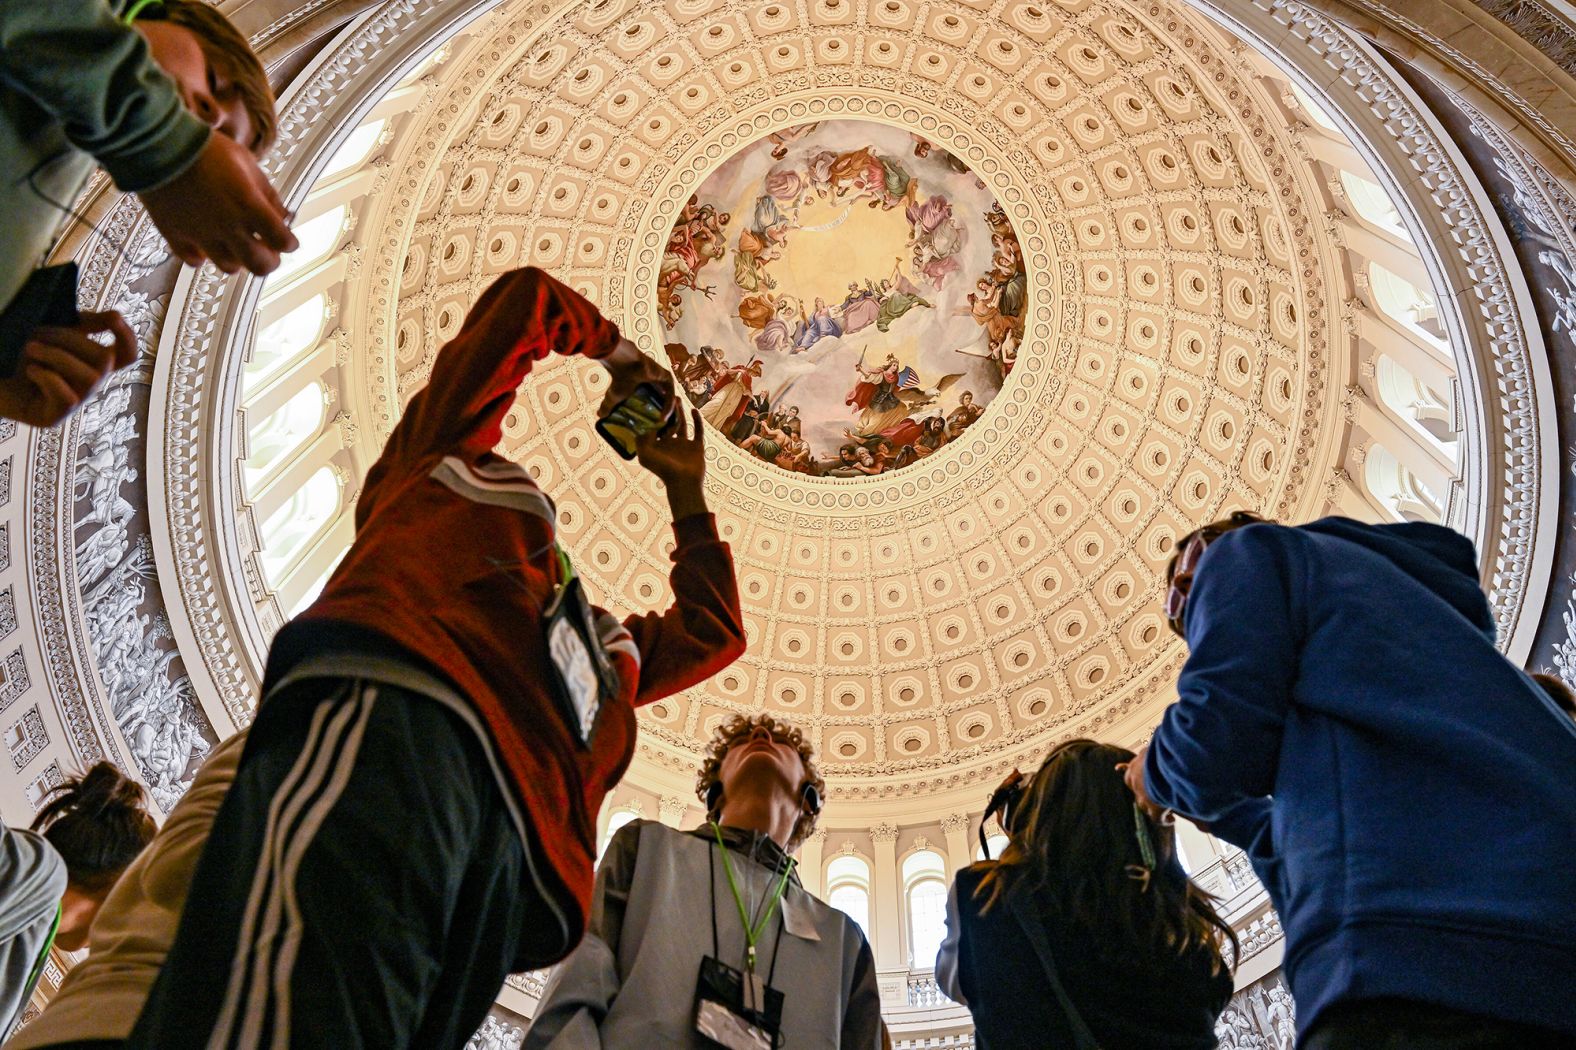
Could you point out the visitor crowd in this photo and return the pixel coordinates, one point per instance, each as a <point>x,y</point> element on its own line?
<point>411,816</point>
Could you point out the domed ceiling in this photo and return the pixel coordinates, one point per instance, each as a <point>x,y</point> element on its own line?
<point>1077,213</point>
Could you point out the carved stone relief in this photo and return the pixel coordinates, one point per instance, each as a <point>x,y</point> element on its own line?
<point>112,658</point>
<point>1261,1016</point>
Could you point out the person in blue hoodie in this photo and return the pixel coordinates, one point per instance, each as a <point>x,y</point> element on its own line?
<point>1405,793</point>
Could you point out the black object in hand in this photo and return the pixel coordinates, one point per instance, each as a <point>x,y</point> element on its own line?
<point>48,298</point>
<point>646,411</point>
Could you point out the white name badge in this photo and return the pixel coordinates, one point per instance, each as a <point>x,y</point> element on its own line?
<point>576,673</point>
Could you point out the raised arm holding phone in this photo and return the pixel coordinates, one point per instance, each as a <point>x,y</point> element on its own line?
<point>445,721</point>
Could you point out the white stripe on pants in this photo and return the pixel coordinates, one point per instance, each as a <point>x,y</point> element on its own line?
<point>272,913</point>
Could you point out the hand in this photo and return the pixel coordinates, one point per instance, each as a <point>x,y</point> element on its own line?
<point>679,460</point>
<point>60,367</point>
<point>222,208</point>
<point>1133,775</point>
<point>629,369</point>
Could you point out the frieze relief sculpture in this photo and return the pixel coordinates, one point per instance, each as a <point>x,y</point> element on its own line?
<point>496,1034</point>
<point>150,700</point>
<point>1259,1017</point>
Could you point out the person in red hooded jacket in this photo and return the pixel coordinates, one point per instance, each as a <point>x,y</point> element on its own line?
<point>413,816</point>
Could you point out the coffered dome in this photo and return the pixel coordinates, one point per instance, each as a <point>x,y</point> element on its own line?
<point>1204,262</point>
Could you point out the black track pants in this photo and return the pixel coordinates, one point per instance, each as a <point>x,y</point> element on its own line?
<point>362,887</point>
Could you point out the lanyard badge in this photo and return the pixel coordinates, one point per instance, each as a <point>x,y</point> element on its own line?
<point>734,1008</point>
<point>582,676</point>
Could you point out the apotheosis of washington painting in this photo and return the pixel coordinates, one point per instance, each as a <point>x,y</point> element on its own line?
<point>842,299</point>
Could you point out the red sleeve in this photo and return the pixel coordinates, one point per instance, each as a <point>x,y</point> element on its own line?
<point>703,631</point>
<point>524,316</point>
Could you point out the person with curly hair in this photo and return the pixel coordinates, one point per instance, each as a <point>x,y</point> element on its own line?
<point>750,960</point>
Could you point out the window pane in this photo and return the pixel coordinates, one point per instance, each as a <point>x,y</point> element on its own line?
<point>318,237</point>
<point>854,903</point>
<point>616,821</point>
<point>1373,204</point>
<point>997,843</point>
<point>927,922</point>
<point>284,431</point>
<point>286,339</point>
<point>294,525</point>
<point>925,862</point>
<point>355,149</point>
<point>847,868</point>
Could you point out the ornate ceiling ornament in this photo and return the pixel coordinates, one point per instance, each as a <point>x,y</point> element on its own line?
<point>930,625</point>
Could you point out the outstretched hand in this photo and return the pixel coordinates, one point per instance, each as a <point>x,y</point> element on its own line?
<point>677,456</point>
<point>60,367</point>
<point>222,208</point>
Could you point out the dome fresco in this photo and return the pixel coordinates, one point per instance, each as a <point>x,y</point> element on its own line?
<point>842,298</point>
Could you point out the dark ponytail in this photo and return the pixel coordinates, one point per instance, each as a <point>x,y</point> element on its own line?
<point>98,822</point>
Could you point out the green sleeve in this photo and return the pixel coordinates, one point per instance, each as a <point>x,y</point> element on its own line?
<point>79,62</point>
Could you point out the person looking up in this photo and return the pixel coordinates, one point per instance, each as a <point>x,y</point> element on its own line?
<point>698,934</point>
<point>441,724</point>
<point>166,96</point>
<point>1406,794</point>
<point>1085,931</point>
<point>54,879</point>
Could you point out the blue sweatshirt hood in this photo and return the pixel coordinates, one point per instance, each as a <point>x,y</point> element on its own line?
<point>1440,559</point>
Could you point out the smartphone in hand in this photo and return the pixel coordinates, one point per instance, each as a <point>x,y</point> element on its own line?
<point>646,411</point>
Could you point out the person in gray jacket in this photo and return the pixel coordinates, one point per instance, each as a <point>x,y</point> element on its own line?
<point>53,883</point>
<point>168,98</point>
<point>706,938</point>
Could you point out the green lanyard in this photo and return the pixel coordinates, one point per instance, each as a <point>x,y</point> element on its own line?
<point>751,935</point>
<point>43,954</point>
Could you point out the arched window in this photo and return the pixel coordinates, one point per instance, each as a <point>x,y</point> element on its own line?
<point>285,429</point>
<point>1405,302</point>
<point>357,147</point>
<point>318,236</point>
<point>1316,112</point>
<point>848,889</point>
<point>286,339</point>
<point>1408,397</point>
<point>1373,204</point>
<point>619,818</point>
<point>1398,490</point>
<point>310,594</point>
<point>925,893</point>
<point>290,529</point>
<point>997,843</point>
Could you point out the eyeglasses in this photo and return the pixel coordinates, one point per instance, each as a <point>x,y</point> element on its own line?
<point>1190,553</point>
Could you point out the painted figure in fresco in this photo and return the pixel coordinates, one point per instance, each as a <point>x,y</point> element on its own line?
<point>778,334</point>
<point>935,238</point>
<point>866,173</point>
<point>817,325</point>
<point>697,239</point>
<point>859,308</point>
<point>781,139</point>
<point>749,261</point>
<point>876,389</point>
<point>899,295</point>
<point>730,396</point>
<point>964,416</point>
<point>756,409</point>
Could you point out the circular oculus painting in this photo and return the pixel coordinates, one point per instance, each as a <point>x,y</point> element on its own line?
<point>842,299</point>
